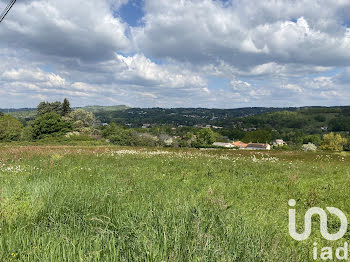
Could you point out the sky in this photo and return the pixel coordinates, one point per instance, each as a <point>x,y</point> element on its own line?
<point>176,53</point>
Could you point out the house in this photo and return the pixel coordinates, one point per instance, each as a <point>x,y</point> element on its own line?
<point>226,145</point>
<point>279,142</point>
<point>249,129</point>
<point>324,128</point>
<point>146,126</point>
<point>258,146</point>
<point>239,144</point>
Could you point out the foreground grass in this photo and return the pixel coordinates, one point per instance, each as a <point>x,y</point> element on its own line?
<point>115,204</point>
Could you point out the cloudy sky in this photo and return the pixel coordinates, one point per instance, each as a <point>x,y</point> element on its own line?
<point>176,53</point>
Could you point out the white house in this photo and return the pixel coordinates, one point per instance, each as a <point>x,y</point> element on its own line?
<point>279,142</point>
<point>258,146</point>
<point>226,145</point>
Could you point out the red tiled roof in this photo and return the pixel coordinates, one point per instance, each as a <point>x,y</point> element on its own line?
<point>240,144</point>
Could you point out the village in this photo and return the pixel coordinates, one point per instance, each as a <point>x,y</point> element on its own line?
<point>250,146</point>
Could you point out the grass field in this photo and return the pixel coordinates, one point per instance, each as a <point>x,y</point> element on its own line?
<point>123,204</point>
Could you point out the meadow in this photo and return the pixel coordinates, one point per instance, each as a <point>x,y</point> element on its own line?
<point>99,203</point>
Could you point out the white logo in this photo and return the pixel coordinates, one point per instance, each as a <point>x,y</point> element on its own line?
<point>323,222</point>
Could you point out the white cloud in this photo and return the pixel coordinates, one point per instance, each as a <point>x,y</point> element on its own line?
<point>246,33</point>
<point>85,30</point>
<point>130,80</point>
<point>267,53</point>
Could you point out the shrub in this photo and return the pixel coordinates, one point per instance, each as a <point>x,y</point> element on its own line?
<point>281,147</point>
<point>309,147</point>
<point>143,139</point>
<point>10,128</point>
<point>117,135</point>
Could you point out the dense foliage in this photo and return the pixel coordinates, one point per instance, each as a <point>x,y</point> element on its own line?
<point>59,108</point>
<point>10,128</point>
<point>185,127</point>
<point>333,142</point>
<point>50,124</point>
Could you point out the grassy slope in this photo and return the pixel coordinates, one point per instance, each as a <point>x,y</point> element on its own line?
<point>104,204</point>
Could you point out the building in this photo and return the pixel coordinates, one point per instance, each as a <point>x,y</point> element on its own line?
<point>239,144</point>
<point>258,146</point>
<point>217,127</point>
<point>249,129</point>
<point>226,145</point>
<point>279,142</point>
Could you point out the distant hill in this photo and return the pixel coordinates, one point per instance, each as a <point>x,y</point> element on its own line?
<point>20,113</point>
<point>95,109</point>
<point>309,119</point>
<point>136,117</point>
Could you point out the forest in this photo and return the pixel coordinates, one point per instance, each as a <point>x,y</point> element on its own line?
<point>58,122</point>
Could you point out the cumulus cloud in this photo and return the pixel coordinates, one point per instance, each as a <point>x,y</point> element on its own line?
<point>246,33</point>
<point>261,53</point>
<point>85,30</point>
<point>132,80</point>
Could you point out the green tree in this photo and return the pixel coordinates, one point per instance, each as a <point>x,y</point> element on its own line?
<point>117,135</point>
<point>258,136</point>
<point>340,124</point>
<point>296,137</point>
<point>313,139</point>
<point>188,140</point>
<point>320,118</point>
<point>333,142</point>
<point>66,109</point>
<point>50,124</point>
<point>10,128</point>
<point>206,137</point>
<point>81,120</point>
<point>27,133</point>
<point>46,107</point>
<point>233,133</point>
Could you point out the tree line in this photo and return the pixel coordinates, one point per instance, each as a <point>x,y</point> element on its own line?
<point>57,120</point>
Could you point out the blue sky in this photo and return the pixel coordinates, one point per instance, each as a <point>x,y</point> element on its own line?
<point>131,12</point>
<point>189,53</point>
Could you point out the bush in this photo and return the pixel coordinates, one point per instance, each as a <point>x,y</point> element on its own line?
<point>309,147</point>
<point>10,128</point>
<point>347,147</point>
<point>281,147</point>
<point>144,139</point>
<point>27,133</point>
<point>117,135</point>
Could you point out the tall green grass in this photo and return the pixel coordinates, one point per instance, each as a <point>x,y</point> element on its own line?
<point>104,204</point>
